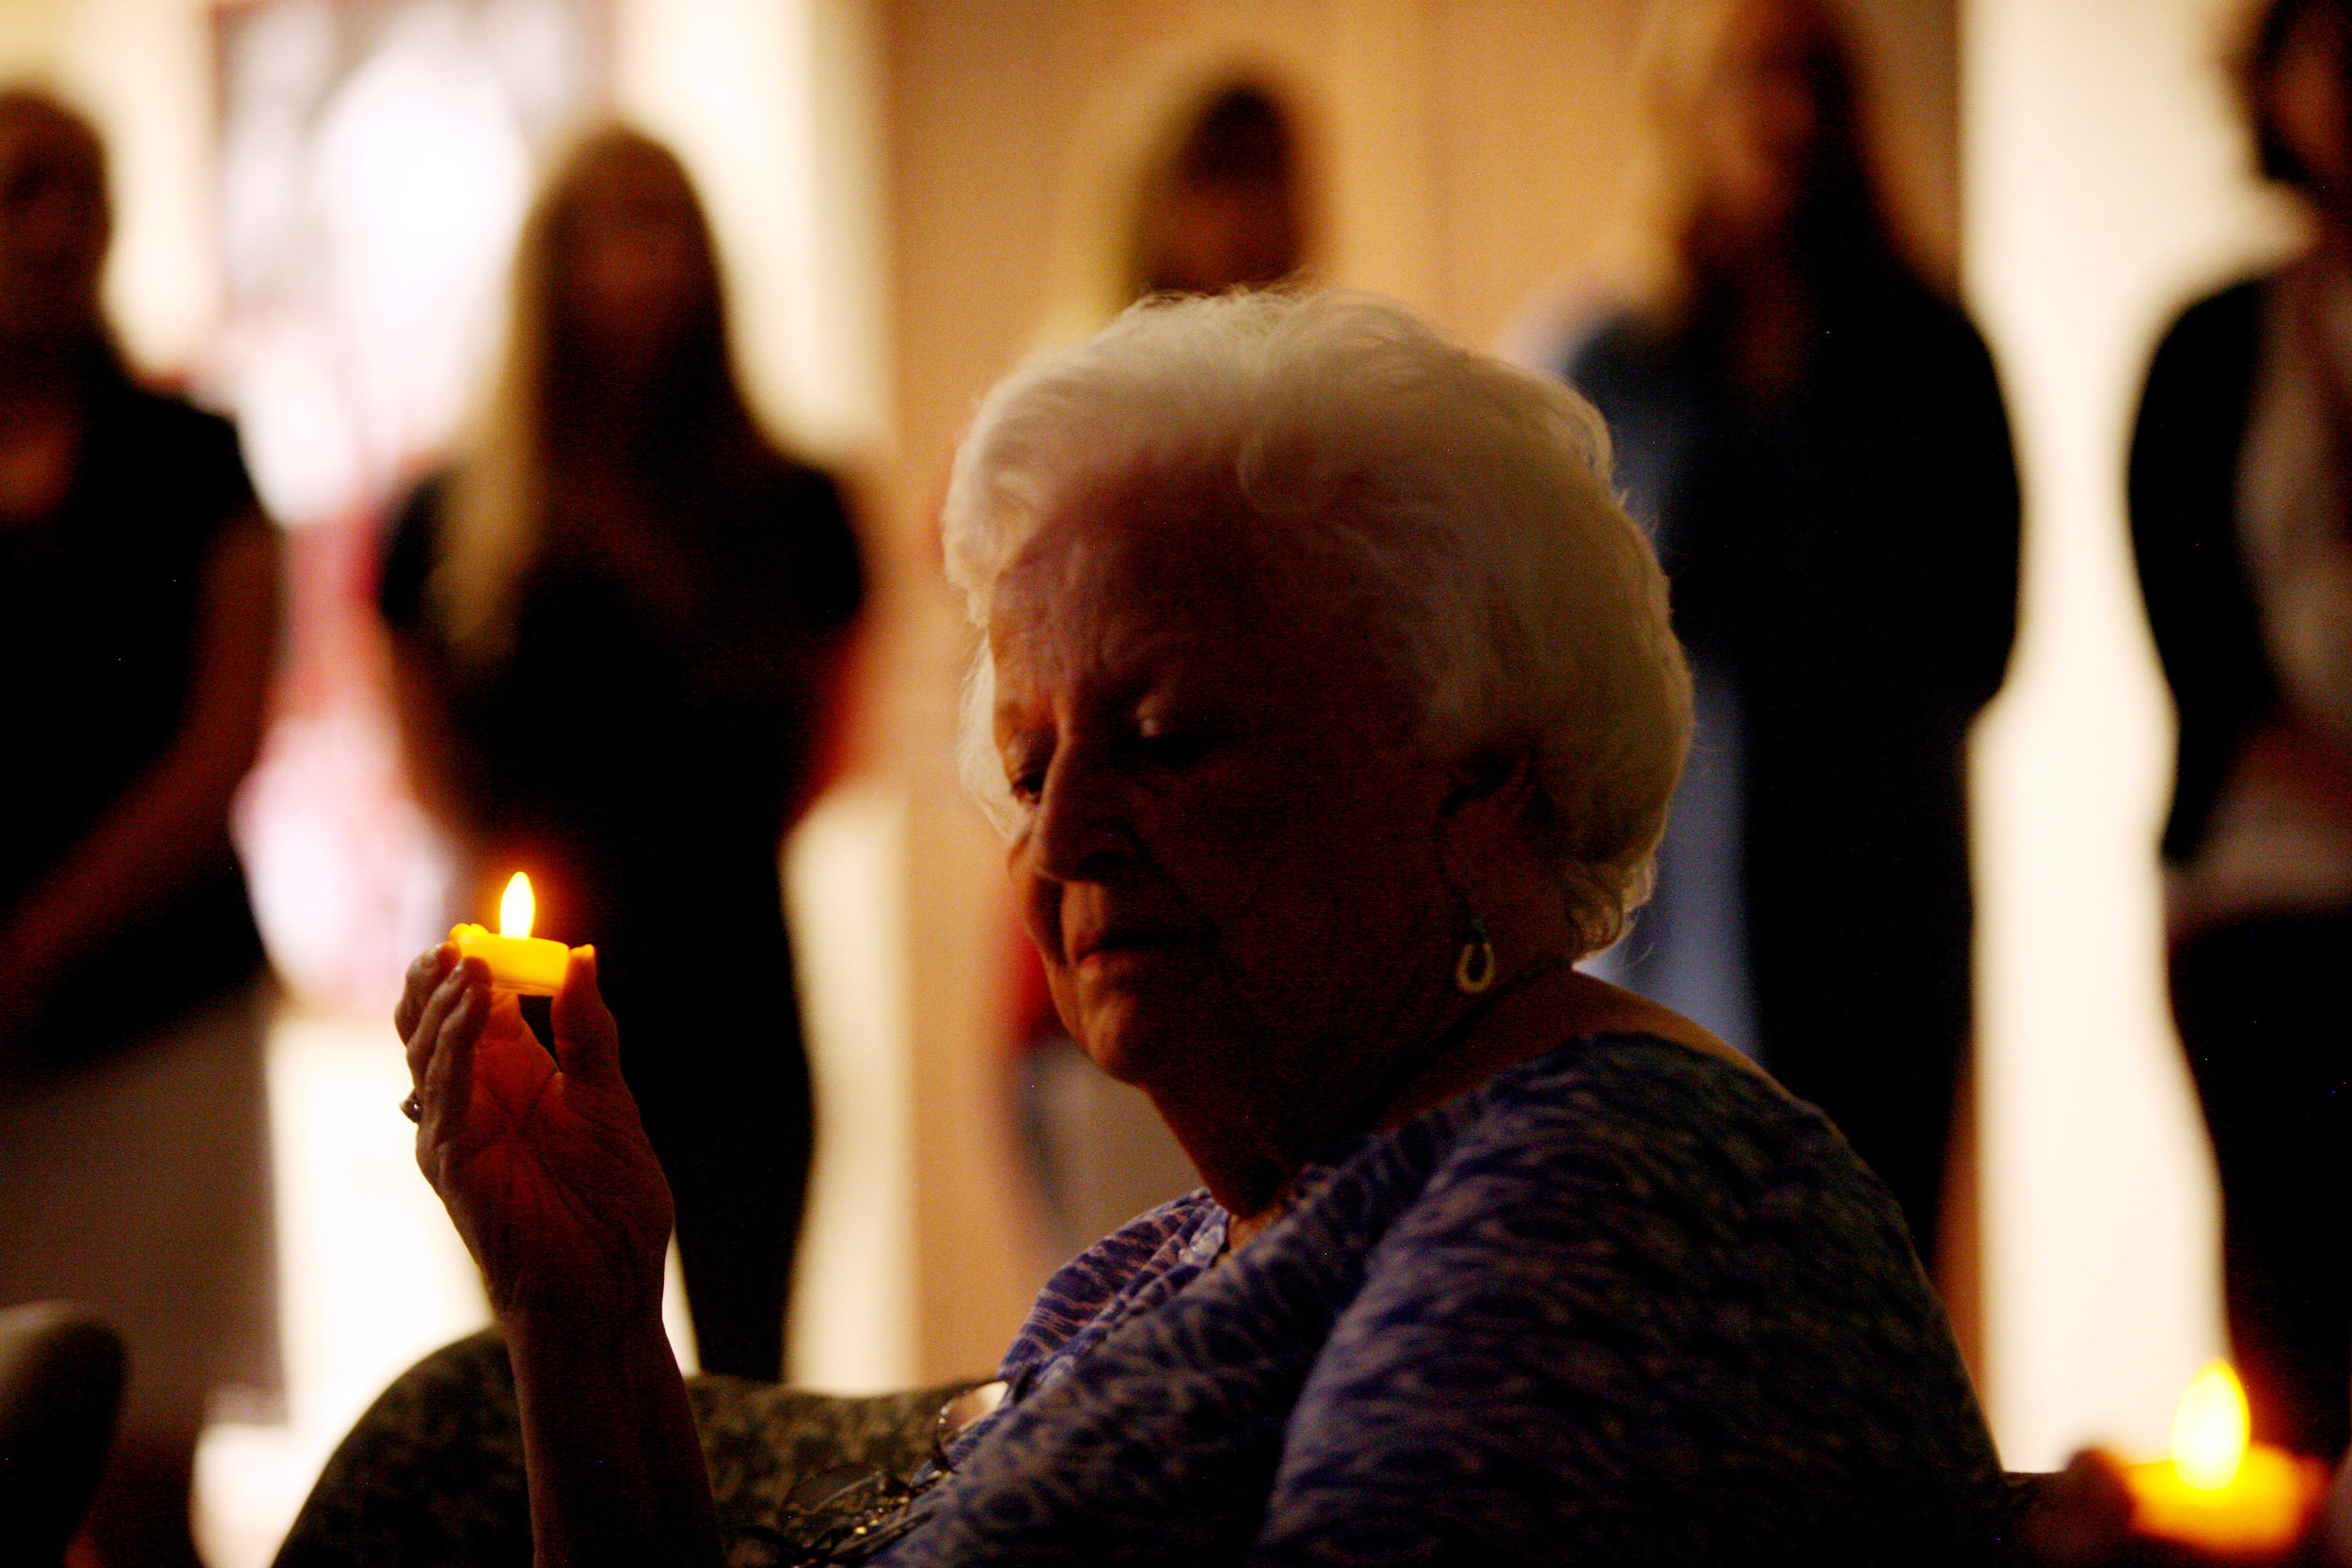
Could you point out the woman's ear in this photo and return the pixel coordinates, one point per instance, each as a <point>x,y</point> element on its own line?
<point>1487,798</point>
<point>1485,772</point>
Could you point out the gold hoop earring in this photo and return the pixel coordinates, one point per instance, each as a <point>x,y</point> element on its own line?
<point>1474,968</point>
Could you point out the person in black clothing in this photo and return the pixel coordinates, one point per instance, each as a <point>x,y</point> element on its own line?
<point>1816,439</point>
<point>618,620</point>
<point>138,595</point>
<point>2241,506</point>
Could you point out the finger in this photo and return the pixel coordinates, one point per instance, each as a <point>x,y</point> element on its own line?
<point>587,1041</point>
<point>425,1034</point>
<point>425,975</point>
<point>447,1087</point>
<point>440,1023</point>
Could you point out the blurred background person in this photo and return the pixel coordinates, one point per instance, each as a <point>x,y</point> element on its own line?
<point>1202,184</point>
<point>1818,440</point>
<point>138,599</point>
<point>618,550</point>
<point>2241,508</point>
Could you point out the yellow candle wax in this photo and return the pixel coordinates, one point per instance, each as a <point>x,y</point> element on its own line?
<point>519,961</point>
<point>2216,1493</point>
<point>2263,1510</point>
<point>531,965</point>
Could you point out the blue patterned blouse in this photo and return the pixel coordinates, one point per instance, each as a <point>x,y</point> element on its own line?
<point>1624,1303</point>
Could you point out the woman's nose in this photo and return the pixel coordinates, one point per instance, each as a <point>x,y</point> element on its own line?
<point>1080,833</point>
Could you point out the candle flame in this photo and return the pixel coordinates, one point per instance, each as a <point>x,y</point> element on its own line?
<point>517,908</point>
<point>2209,1428</point>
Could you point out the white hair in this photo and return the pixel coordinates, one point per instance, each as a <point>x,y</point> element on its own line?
<point>1464,504</point>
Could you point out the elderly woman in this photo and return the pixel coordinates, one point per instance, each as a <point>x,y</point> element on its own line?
<point>1331,708</point>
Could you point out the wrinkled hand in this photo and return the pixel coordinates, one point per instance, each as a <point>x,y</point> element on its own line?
<point>2081,1518</point>
<point>541,1160</point>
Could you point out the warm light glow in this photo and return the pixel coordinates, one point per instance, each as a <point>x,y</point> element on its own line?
<point>517,908</point>
<point>2218,1494</point>
<point>2209,1428</point>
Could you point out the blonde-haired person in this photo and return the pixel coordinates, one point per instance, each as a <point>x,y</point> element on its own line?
<point>1817,440</point>
<point>619,619</point>
<point>2241,504</point>
<point>1327,701</point>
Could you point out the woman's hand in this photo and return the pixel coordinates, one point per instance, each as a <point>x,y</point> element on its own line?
<point>541,1160</point>
<point>546,1169</point>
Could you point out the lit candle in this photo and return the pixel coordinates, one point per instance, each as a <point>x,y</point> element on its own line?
<point>519,961</point>
<point>2217,1493</point>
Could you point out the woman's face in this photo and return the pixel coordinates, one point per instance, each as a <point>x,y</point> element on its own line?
<point>1768,120</point>
<point>630,265</point>
<point>1212,236</point>
<point>2308,107</point>
<point>1228,849</point>
<point>52,226</point>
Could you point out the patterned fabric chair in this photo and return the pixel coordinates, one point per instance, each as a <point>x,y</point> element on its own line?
<point>432,1475</point>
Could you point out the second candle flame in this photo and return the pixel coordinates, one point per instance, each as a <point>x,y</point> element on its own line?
<point>517,908</point>
<point>2209,1429</point>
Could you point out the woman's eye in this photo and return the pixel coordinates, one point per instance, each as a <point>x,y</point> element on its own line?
<point>1175,748</point>
<point>1024,772</point>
